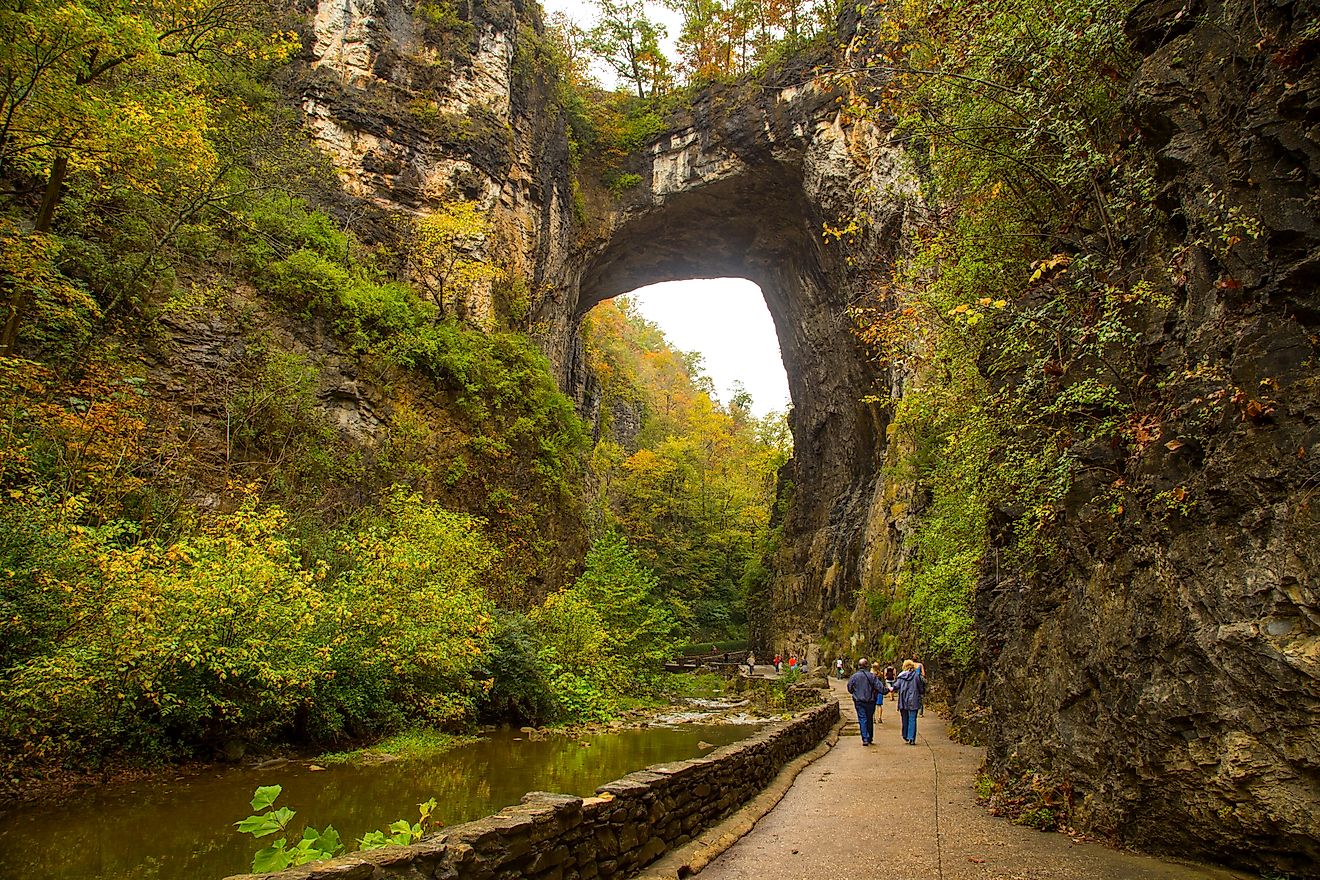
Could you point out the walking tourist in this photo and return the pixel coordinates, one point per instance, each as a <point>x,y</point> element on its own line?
<point>911,688</point>
<point>778,659</point>
<point>921,703</point>
<point>838,668</point>
<point>865,689</point>
<point>885,689</point>
<point>751,664</point>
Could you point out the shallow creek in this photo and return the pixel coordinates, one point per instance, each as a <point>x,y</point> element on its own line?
<point>182,829</point>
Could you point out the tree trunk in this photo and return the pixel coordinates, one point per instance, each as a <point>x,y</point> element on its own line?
<point>54,189</point>
<point>18,301</point>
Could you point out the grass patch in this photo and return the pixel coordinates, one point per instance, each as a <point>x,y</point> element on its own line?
<point>410,744</point>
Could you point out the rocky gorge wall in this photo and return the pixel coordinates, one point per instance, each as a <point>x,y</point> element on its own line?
<point>1169,672</point>
<point>419,104</point>
<point>627,825</point>
<point>1164,675</point>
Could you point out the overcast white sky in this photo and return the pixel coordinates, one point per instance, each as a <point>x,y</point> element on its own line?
<point>725,319</point>
<point>584,12</point>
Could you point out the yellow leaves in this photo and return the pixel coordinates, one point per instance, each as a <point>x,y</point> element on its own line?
<point>445,254</point>
<point>1056,264</point>
<point>970,316</point>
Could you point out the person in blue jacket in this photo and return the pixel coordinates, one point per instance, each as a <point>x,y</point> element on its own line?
<point>911,687</point>
<point>866,689</point>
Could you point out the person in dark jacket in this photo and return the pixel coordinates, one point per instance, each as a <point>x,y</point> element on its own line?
<point>911,687</point>
<point>865,688</point>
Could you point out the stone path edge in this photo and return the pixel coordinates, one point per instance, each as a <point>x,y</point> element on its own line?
<point>690,858</point>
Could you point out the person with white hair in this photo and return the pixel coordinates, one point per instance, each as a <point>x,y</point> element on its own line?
<point>911,687</point>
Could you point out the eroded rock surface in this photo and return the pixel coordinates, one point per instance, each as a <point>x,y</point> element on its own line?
<point>1168,672</point>
<point>1171,671</point>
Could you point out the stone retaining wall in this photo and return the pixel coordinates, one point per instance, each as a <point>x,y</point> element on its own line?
<point>628,824</point>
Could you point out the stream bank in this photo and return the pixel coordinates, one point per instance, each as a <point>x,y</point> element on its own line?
<point>177,824</point>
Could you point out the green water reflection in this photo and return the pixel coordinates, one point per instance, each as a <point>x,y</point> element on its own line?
<point>182,830</point>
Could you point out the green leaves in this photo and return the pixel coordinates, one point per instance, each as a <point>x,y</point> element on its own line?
<point>270,822</point>
<point>312,847</point>
<point>400,833</point>
<point>273,858</point>
<point>322,841</point>
<point>373,840</point>
<point>259,826</point>
<point>265,796</point>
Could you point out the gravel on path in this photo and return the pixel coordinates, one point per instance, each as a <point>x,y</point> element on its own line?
<point>897,812</point>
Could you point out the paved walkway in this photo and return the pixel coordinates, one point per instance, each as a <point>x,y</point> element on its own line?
<point>899,812</point>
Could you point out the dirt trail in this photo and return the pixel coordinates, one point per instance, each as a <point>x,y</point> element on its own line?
<point>901,812</point>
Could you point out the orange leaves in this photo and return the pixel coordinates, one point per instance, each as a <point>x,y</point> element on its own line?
<point>91,436</point>
<point>1144,429</point>
<point>1251,408</point>
<point>970,315</point>
<point>893,334</point>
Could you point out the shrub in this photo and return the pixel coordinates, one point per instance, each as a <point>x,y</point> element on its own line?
<point>518,689</point>
<point>179,644</point>
<point>410,619</point>
<point>606,633</point>
<point>275,226</point>
<point>305,280</point>
<point>160,648</point>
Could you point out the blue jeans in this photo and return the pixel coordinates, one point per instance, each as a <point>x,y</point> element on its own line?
<point>865,719</point>
<point>909,724</point>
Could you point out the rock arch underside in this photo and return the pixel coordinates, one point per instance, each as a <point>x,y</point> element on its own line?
<point>1175,686</point>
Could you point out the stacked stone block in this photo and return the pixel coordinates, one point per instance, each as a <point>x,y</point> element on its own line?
<point>627,825</point>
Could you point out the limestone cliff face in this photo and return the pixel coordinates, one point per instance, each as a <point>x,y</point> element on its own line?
<point>1171,670</point>
<point>419,104</point>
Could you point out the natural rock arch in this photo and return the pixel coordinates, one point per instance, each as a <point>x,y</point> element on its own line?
<point>743,186</point>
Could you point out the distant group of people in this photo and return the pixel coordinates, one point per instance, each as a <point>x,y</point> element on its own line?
<point>794,663</point>
<point>869,690</point>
